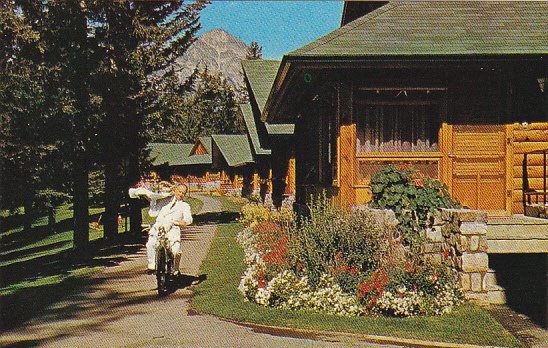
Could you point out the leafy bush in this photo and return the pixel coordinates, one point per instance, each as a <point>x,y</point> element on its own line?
<point>411,195</point>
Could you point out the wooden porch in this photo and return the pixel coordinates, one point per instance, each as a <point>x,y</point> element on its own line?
<point>517,234</point>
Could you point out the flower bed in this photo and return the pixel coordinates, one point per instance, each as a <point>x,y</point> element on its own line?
<point>344,263</point>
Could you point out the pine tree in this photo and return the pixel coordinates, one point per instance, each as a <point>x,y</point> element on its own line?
<point>254,51</point>
<point>76,81</point>
<point>204,105</point>
<point>135,39</point>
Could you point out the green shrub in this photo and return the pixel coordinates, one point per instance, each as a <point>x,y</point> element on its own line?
<point>411,195</point>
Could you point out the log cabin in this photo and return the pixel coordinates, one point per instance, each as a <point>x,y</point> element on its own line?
<point>454,88</point>
<point>272,144</point>
<point>232,157</point>
<point>182,159</point>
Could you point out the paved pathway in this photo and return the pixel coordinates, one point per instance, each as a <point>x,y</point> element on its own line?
<point>120,308</point>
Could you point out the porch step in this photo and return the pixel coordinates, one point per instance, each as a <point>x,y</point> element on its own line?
<point>517,235</point>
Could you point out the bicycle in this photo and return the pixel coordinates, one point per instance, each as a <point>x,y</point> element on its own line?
<point>164,263</point>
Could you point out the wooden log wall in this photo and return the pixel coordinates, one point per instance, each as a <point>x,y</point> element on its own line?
<point>527,139</point>
<point>290,180</point>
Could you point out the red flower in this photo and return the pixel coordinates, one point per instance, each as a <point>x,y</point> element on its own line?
<point>261,281</point>
<point>384,279</point>
<point>445,254</point>
<point>338,257</point>
<point>375,276</point>
<point>408,267</point>
<point>372,301</point>
<point>300,266</point>
<point>365,287</point>
<point>344,268</point>
<point>361,294</point>
<point>354,271</point>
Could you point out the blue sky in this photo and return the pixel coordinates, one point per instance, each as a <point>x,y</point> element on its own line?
<point>278,26</point>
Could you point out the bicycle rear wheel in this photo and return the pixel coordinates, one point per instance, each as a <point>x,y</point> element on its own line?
<point>162,271</point>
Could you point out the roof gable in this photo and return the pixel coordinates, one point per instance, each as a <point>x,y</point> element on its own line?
<point>234,148</point>
<point>439,28</point>
<point>261,74</point>
<point>201,145</point>
<point>169,154</point>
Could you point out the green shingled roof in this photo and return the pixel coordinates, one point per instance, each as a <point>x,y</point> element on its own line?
<point>206,141</point>
<point>439,28</point>
<point>234,148</point>
<point>280,128</point>
<point>261,74</point>
<point>170,154</point>
<point>251,126</point>
<point>197,159</point>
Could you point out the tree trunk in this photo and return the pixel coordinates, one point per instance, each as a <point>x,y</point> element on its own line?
<point>29,212</point>
<point>112,199</point>
<point>81,132</point>
<point>133,174</point>
<point>81,203</point>
<point>135,218</point>
<point>51,218</point>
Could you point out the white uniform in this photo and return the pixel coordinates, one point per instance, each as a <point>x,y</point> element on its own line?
<point>157,200</point>
<point>176,212</point>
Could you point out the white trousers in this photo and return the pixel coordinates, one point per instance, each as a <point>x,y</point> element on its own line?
<point>174,237</point>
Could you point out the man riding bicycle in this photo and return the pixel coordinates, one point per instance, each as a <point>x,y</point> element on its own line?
<point>172,217</point>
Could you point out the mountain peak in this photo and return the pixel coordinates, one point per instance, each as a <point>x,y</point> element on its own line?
<point>217,31</point>
<point>219,51</point>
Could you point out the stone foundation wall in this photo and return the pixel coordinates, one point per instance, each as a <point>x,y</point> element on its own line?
<point>458,237</point>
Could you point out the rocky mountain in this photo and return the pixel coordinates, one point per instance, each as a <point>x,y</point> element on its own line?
<point>220,52</point>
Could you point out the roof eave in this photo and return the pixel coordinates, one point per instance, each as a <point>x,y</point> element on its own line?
<point>289,61</point>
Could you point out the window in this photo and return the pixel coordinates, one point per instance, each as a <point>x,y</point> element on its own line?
<point>398,120</point>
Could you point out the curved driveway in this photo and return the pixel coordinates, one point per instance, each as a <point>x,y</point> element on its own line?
<point>120,308</point>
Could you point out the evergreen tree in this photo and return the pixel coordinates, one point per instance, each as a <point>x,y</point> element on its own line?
<point>205,104</point>
<point>76,81</point>
<point>254,51</point>
<point>135,39</point>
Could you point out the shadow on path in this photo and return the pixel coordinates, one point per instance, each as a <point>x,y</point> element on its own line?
<point>186,280</point>
<point>215,218</point>
<point>28,300</point>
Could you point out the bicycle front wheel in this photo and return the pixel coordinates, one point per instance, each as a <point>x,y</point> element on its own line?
<point>162,271</point>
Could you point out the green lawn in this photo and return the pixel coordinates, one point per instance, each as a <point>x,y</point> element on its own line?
<point>195,204</point>
<point>231,204</point>
<point>219,296</point>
